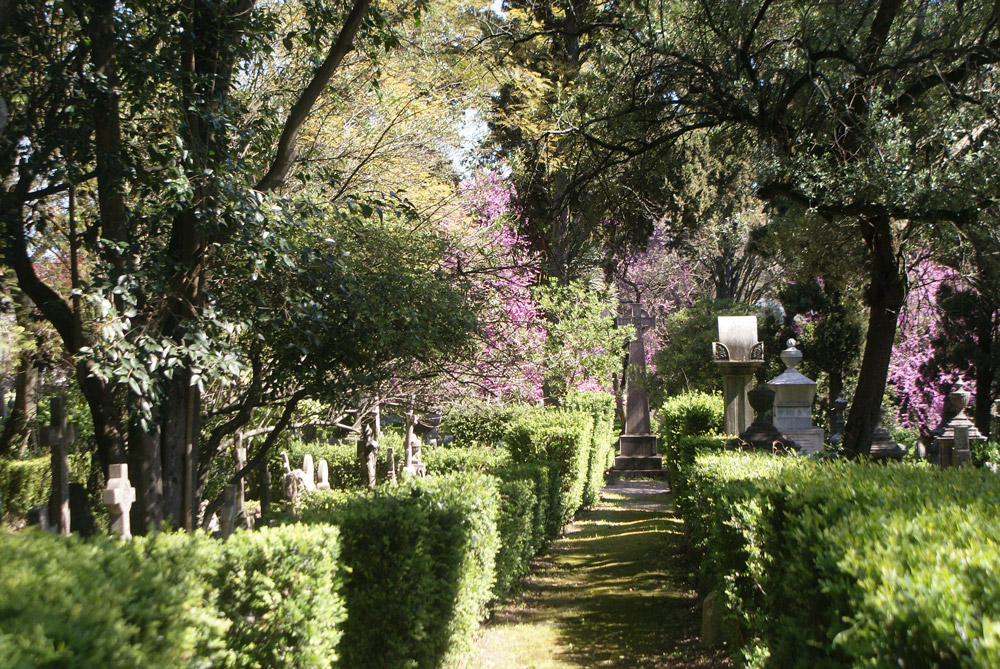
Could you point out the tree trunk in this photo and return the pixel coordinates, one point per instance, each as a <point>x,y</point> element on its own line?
<point>17,429</point>
<point>986,371</point>
<point>885,296</point>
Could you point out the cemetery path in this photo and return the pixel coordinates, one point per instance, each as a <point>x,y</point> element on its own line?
<point>614,591</point>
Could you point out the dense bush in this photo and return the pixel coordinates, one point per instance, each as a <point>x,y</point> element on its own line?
<point>420,562</point>
<point>262,599</point>
<point>280,588</point>
<point>345,469</point>
<point>690,414</point>
<point>475,458</point>
<point>479,424</point>
<point>518,540</point>
<point>843,564</point>
<point>28,483</point>
<point>601,407</point>
<point>563,438</point>
<point>68,603</point>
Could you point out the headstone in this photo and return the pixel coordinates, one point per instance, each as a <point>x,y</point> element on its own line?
<point>58,436</point>
<point>948,455</point>
<point>293,480</point>
<point>39,515</point>
<point>884,447</point>
<point>391,453</point>
<point>637,444</point>
<point>229,510</point>
<point>119,495</point>
<point>323,469</point>
<point>737,356</point>
<point>711,620</point>
<point>412,462</point>
<point>309,471</point>
<point>793,398</point>
<point>961,453</point>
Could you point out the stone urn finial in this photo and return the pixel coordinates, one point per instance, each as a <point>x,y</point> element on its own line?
<point>791,356</point>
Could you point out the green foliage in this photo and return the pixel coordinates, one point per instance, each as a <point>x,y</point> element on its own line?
<point>986,454</point>
<point>518,538</point>
<point>690,414</point>
<point>581,340</point>
<point>28,483</point>
<point>345,469</point>
<point>280,588</point>
<point>67,603</point>
<point>479,424</point>
<point>563,438</point>
<point>474,458</point>
<point>812,577</point>
<point>601,406</point>
<point>421,568</point>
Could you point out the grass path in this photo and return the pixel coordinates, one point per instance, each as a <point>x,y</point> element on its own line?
<point>614,591</point>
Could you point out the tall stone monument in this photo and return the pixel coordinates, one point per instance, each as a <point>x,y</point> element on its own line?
<point>737,356</point>
<point>637,445</point>
<point>794,393</point>
<point>958,432</point>
<point>58,436</point>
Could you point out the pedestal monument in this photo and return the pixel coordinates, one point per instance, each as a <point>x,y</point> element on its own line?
<point>637,445</point>
<point>737,356</point>
<point>793,399</point>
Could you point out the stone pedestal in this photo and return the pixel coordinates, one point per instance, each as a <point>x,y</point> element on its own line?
<point>737,356</point>
<point>793,398</point>
<point>959,432</point>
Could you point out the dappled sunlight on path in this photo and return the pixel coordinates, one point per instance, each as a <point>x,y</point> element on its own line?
<point>613,591</point>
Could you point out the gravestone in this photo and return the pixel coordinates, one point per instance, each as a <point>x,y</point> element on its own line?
<point>412,463</point>
<point>293,481</point>
<point>119,495</point>
<point>884,447</point>
<point>58,436</point>
<point>323,470</point>
<point>737,356</point>
<point>761,433</point>
<point>308,471</point>
<point>637,444</point>
<point>793,399</point>
<point>837,422</point>
<point>949,454</point>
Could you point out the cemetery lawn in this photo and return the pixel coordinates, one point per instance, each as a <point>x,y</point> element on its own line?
<point>616,590</point>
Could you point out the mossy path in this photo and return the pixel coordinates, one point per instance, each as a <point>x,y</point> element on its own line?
<point>614,591</point>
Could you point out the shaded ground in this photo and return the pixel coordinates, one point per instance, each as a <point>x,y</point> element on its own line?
<point>614,591</point>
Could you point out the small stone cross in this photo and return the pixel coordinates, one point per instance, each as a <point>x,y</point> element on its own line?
<point>58,436</point>
<point>635,316</point>
<point>119,496</point>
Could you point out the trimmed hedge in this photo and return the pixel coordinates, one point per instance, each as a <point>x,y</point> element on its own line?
<point>28,483</point>
<point>280,588</point>
<point>845,564</point>
<point>269,598</point>
<point>480,424</point>
<point>442,460</point>
<point>690,414</point>
<point>564,439</point>
<point>421,562</point>
<point>601,407</point>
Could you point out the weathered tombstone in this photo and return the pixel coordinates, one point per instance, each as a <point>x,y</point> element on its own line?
<point>637,444</point>
<point>229,510</point>
<point>412,463</point>
<point>309,471</point>
<point>293,480</point>
<point>368,453</point>
<point>391,454</point>
<point>711,620</point>
<point>58,436</point>
<point>793,398</point>
<point>119,495</point>
<point>737,356</point>
<point>948,456</point>
<point>884,447</point>
<point>323,470</point>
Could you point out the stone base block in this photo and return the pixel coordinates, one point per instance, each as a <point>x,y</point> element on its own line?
<point>809,441</point>
<point>632,462</point>
<point>637,444</point>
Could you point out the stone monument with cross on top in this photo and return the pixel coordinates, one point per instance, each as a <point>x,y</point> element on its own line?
<point>119,495</point>
<point>637,445</point>
<point>58,436</point>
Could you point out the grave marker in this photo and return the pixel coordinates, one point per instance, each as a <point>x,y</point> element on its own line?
<point>737,356</point>
<point>119,495</point>
<point>637,444</point>
<point>58,436</point>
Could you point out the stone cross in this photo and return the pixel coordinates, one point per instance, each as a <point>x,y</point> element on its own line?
<point>58,436</point>
<point>636,403</point>
<point>119,496</point>
<point>229,510</point>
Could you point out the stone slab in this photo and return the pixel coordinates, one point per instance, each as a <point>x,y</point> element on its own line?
<point>809,441</point>
<point>637,444</point>
<point>632,462</point>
